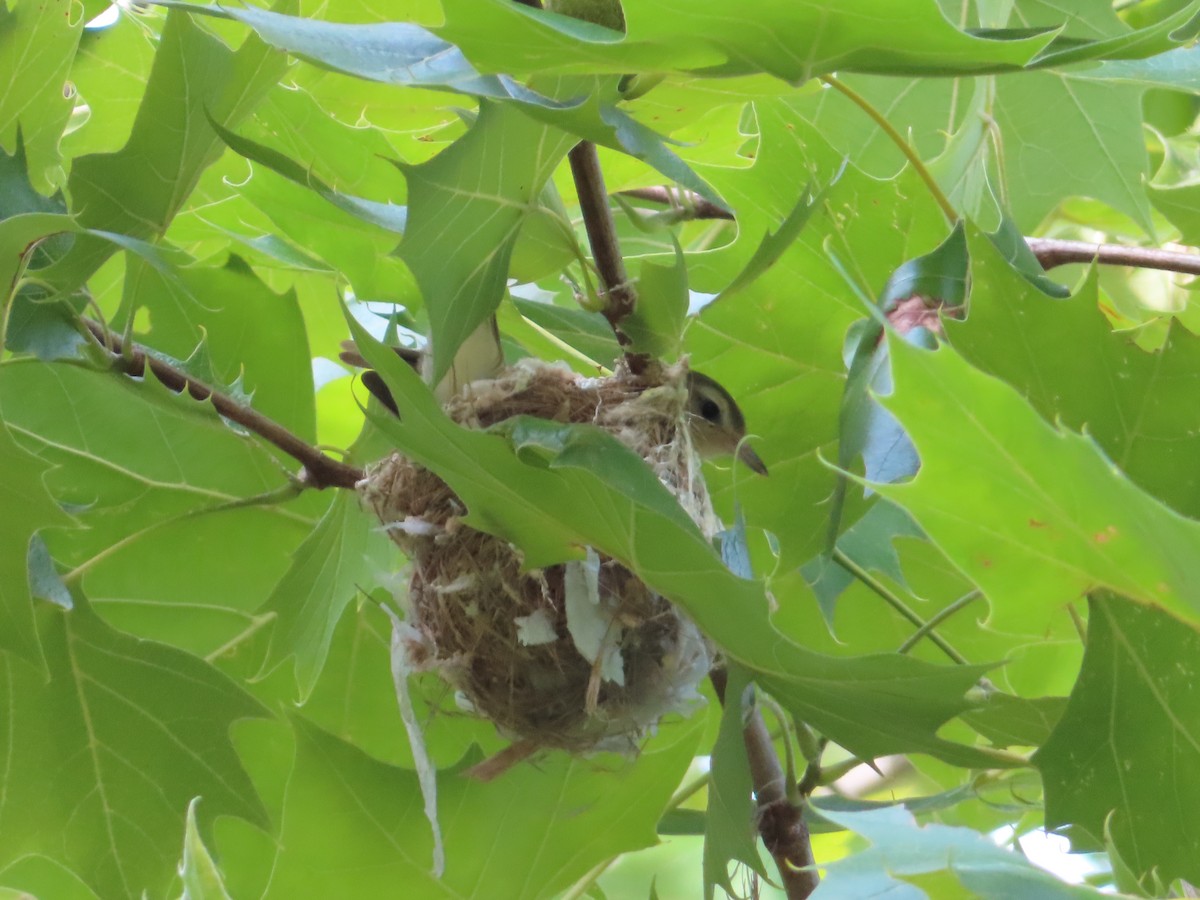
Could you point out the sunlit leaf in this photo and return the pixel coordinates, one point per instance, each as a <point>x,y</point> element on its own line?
<point>1034,513</point>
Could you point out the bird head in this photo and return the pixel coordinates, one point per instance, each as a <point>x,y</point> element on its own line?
<point>716,424</point>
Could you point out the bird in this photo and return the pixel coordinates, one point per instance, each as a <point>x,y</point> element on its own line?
<point>715,422</point>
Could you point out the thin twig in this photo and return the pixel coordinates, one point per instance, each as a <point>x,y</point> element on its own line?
<point>937,619</point>
<point>780,822</point>
<point>896,603</point>
<point>693,204</point>
<point>1051,252</point>
<point>320,471</point>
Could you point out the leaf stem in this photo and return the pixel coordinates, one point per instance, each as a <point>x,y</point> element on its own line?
<point>898,139</point>
<point>895,603</point>
<point>1077,621</point>
<point>320,471</point>
<point>938,618</point>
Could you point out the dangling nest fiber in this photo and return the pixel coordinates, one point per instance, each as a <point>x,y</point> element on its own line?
<point>579,656</point>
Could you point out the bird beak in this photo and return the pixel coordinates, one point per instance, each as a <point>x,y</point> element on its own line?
<point>747,455</point>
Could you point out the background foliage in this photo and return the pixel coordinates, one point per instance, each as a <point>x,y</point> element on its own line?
<point>195,653</point>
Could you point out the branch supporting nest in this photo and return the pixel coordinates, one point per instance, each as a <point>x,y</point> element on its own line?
<point>620,298</point>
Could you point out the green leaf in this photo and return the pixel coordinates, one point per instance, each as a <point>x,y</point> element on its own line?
<point>195,76</point>
<point>355,697</point>
<point>900,852</point>
<point>587,332</point>
<point>1009,721</point>
<point>40,876</point>
<point>774,244</point>
<point>396,53</point>
<point>558,488</point>
<point>1129,741</point>
<point>730,833</point>
<point>201,878</point>
<point>353,826</point>
<point>1092,148</point>
<point>37,43</point>
<point>162,487</point>
<point>104,758</point>
<point>1032,513</point>
<point>387,216</point>
<point>876,36</point>
<point>254,339</point>
<point>462,272</point>
<point>1064,357</point>
<point>777,345</point>
<point>656,324</point>
<point>22,489</point>
<point>345,551</point>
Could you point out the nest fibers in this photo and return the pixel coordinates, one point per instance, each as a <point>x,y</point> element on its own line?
<point>580,656</point>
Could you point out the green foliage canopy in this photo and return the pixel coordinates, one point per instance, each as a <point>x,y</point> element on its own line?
<point>196,670</point>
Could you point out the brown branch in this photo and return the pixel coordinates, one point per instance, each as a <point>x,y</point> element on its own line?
<point>320,471</point>
<point>1051,253</point>
<point>696,206</point>
<point>620,298</point>
<point>780,823</point>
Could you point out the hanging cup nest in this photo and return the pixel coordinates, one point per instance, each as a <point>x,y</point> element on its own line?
<point>579,656</point>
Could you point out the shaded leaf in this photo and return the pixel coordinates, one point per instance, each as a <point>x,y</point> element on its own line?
<point>104,758</point>
<point>529,834</point>
<point>461,271</point>
<point>23,489</point>
<point>344,552</point>
<point>1007,720</point>
<point>1129,741</point>
<point>730,834</point>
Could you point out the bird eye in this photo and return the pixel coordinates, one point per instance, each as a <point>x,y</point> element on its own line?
<point>710,410</point>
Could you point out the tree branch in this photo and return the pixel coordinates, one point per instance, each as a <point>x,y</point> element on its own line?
<point>781,824</point>
<point>620,298</point>
<point>320,471</point>
<point>1051,253</point>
